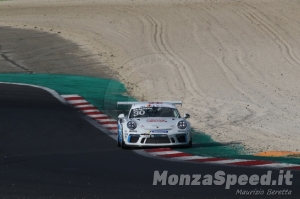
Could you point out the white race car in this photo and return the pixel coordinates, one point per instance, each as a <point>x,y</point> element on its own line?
<point>153,124</point>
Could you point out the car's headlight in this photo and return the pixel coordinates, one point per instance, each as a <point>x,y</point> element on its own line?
<point>182,124</point>
<point>131,125</point>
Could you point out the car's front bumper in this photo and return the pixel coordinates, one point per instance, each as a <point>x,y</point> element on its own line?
<point>153,140</point>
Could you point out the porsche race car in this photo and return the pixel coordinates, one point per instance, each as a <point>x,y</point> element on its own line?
<point>153,124</point>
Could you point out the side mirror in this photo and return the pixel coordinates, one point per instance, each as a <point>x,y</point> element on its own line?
<point>186,116</point>
<point>121,116</point>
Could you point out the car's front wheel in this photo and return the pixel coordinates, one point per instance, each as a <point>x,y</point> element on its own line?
<point>118,141</point>
<point>122,143</point>
<point>190,144</point>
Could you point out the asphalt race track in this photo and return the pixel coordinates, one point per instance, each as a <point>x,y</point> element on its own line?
<point>48,150</point>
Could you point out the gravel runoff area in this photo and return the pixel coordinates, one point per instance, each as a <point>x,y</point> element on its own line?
<point>234,64</point>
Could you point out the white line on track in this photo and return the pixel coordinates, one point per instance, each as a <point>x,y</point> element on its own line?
<point>165,152</point>
<point>84,106</point>
<point>277,165</point>
<point>91,110</point>
<point>67,96</point>
<point>109,125</point>
<point>229,161</point>
<point>189,157</point>
<point>106,120</point>
<point>77,101</point>
<point>97,115</point>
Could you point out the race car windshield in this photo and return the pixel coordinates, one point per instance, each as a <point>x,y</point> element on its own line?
<point>154,112</point>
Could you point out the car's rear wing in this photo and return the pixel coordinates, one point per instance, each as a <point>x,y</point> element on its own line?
<point>160,102</point>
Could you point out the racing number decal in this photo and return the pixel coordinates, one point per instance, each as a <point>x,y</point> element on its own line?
<point>138,112</point>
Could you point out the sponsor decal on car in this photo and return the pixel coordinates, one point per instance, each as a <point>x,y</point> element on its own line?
<point>153,104</point>
<point>156,120</point>
<point>158,131</point>
<point>157,135</point>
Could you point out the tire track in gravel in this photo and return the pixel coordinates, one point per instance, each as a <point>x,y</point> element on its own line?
<point>184,68</point>
<point>228,54</point>
<point>242,54</point>
<point>231,76</point>
<point>179,65</point>
<point>12,62</point>
<point>285,48</point>
<point>244,61</point>
<point>157,45</point>
<point>291,22</point>
<point>238,9</point>
<point>152,33</point>
<point>274,31</point>
<point>296,24</point>
<point>265,26</point>
<point>149,34</point>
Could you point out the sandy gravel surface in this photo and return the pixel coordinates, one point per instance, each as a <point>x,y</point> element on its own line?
<point>235,64</point>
